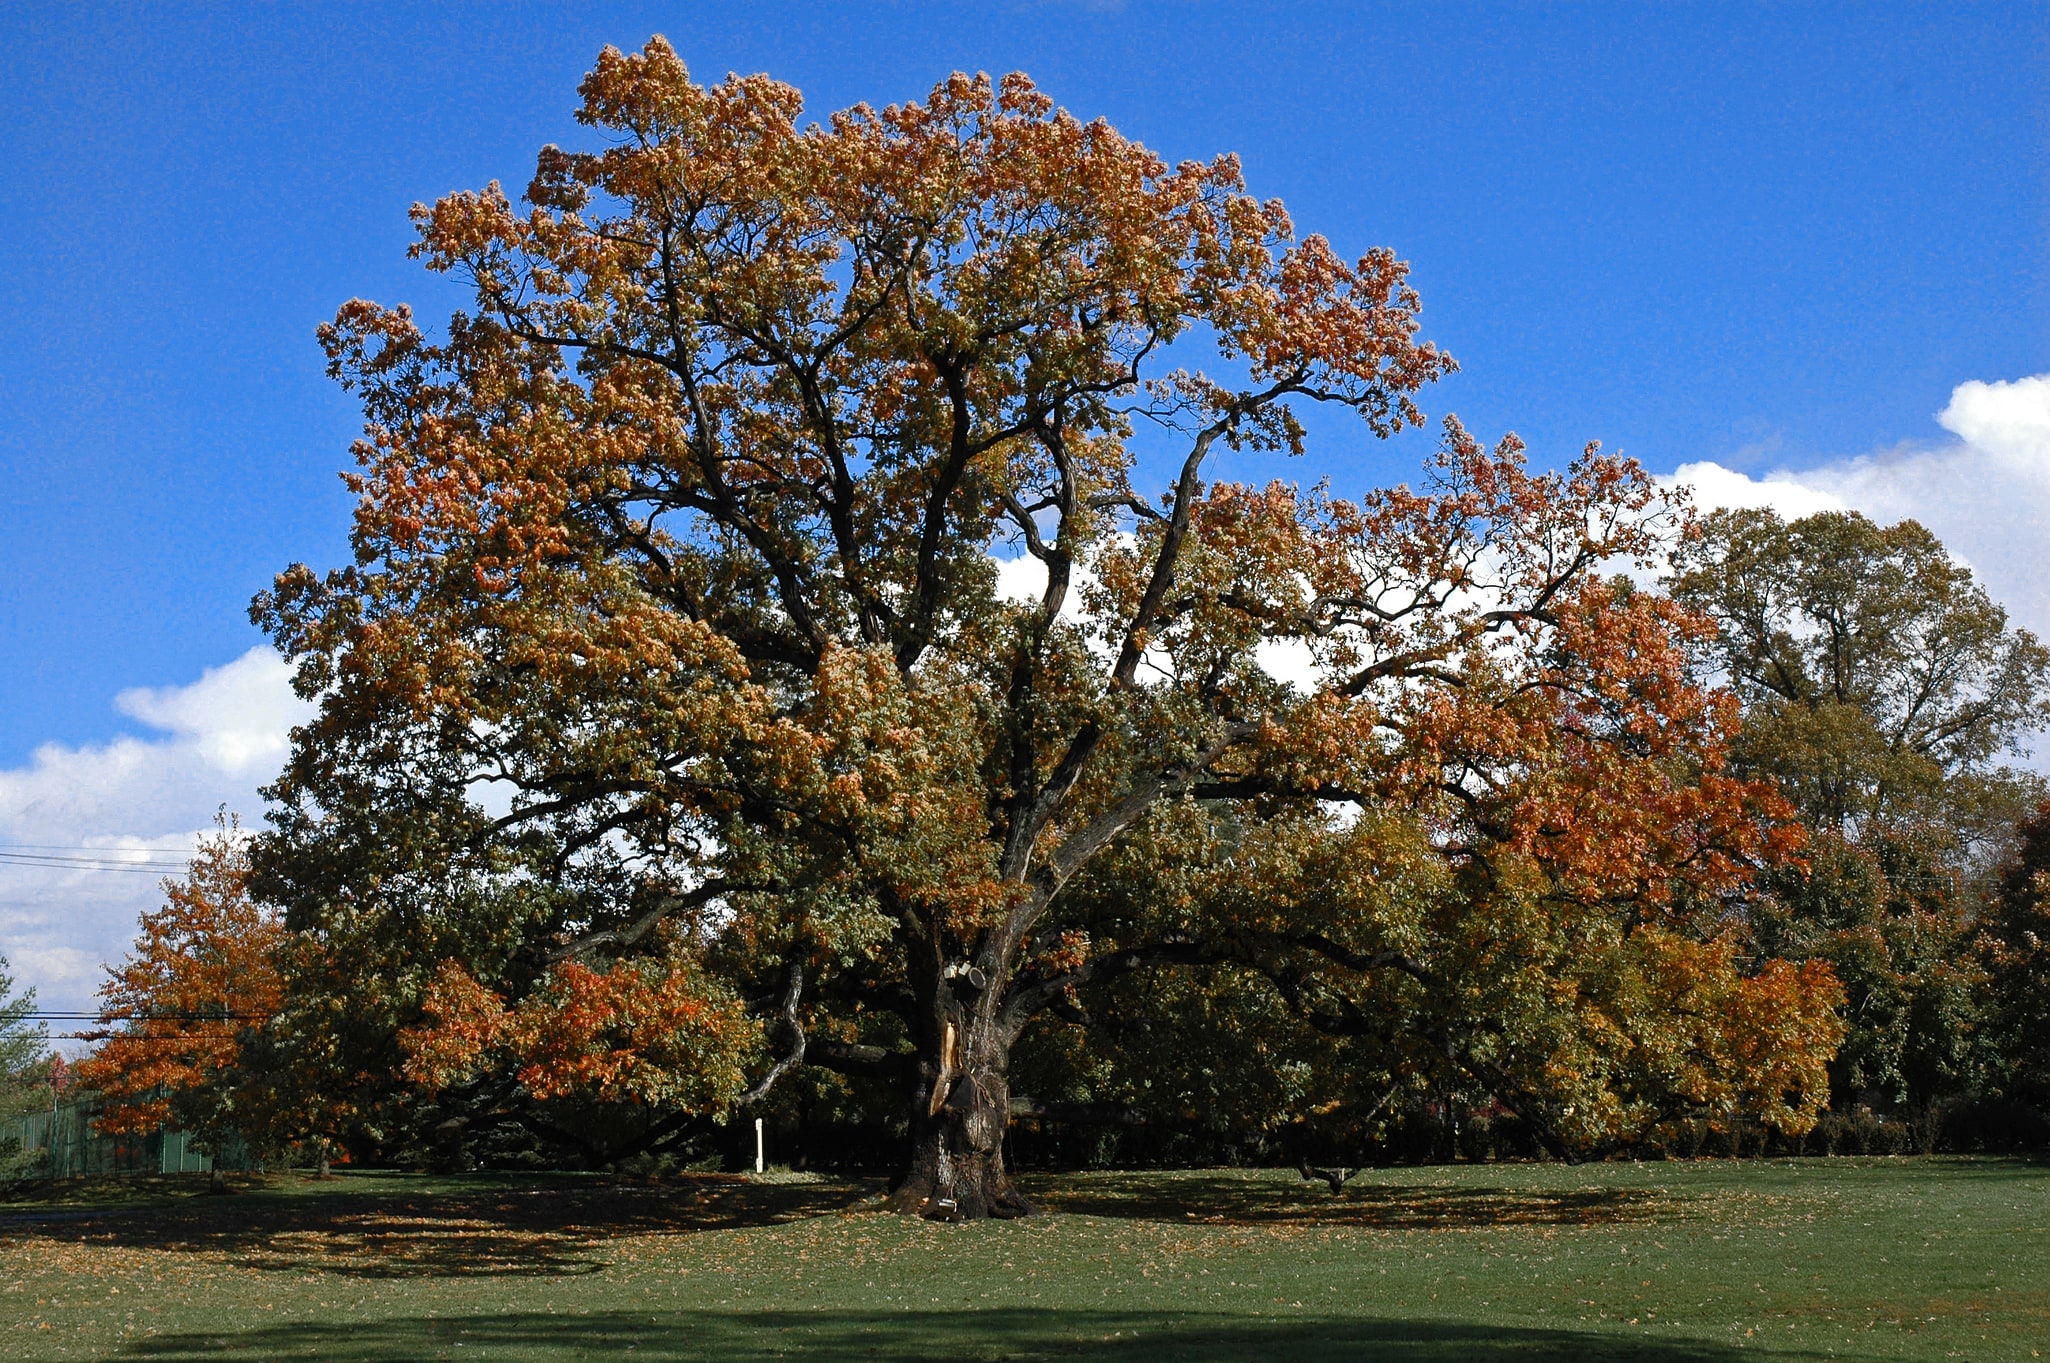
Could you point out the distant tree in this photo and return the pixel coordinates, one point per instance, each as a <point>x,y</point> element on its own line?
<point>1881,684</point>
<point>1882,688</point>
<point>672,671</point>
<point>24,1071</point>
<point>201,979</point>
<point>1892,914</point>
<point>2014,947</point>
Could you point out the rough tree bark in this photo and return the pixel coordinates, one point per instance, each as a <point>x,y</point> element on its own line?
<point>961,1108</point>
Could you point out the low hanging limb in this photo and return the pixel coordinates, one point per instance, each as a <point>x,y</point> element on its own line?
<point>842,1057</point>
<point>1516,1097</point>
<point>793,991</point>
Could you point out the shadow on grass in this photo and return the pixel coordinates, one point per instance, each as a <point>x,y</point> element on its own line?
<point>30,1198</point>
<point>498,1232</point>
<point>741,1337</point>
<point>1236,1198</point>
<point>556,1229</point>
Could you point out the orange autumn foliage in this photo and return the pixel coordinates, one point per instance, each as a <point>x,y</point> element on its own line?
<point>647,1032</point>
<point>688,541</point>
<point>1739,1045</point>
<point>202,974</point>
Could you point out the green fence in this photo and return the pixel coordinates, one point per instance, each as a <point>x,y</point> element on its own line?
<point>70,1146</point>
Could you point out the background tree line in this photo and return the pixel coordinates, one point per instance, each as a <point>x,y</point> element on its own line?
<point>678,757</point>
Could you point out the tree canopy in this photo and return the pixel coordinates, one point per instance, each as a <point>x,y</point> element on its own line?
<point>1881,682</point>
<point>24,1069</point>
<point>674,731</point>
<point>175,1016</point>
<point>1882,687</point>
<point>2014,947</point>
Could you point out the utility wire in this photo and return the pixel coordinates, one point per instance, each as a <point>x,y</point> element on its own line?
<point>84,847</point>
<point>159,871</point>
<point>88,860</point>
<point>118,856</point>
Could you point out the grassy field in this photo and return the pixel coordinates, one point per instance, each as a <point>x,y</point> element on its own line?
<point>1679,1263</point>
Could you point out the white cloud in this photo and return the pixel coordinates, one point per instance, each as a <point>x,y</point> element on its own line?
<point>2010,421</point>
<point>1716,486</point>
<point>237,717</point>
<point>1986,495</point>
<point>133,799</point>
<point>1023,579</point>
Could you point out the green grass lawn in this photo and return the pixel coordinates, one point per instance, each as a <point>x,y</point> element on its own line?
<point>1802,1259</point>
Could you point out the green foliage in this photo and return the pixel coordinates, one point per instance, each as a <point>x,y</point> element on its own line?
<point>1882,688</point>
<point>2014,951</point>
<point>1881,683</point>
<point>1348,978</point>
<point>24,1070</point>
<point>1890,915</point>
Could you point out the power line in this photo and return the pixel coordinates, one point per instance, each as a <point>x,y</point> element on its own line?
<point>81,847</point>
<point>130,856</point>
<point>88,860</point>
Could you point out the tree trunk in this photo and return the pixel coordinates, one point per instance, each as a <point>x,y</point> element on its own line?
<point>961,1111</point>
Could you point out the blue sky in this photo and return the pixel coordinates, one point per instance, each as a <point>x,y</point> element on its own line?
<point>1757,236</point>
<point>1777,238</point>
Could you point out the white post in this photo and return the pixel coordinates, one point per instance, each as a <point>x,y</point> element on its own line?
<point>759,1166</point>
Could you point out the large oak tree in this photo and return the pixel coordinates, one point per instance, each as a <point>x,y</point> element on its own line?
<point>672,686</point>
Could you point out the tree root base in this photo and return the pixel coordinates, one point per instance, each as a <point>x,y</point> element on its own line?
<point>917,1198</point>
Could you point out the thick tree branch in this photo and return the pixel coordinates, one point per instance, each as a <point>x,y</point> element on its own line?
<point>666,907</point>
<point>793,992</point>
<point>867,1062</point>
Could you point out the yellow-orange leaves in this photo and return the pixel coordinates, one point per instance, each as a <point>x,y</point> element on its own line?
<point>203,974</point>
<point>1756,1045</point>
<point>652,1031</point>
